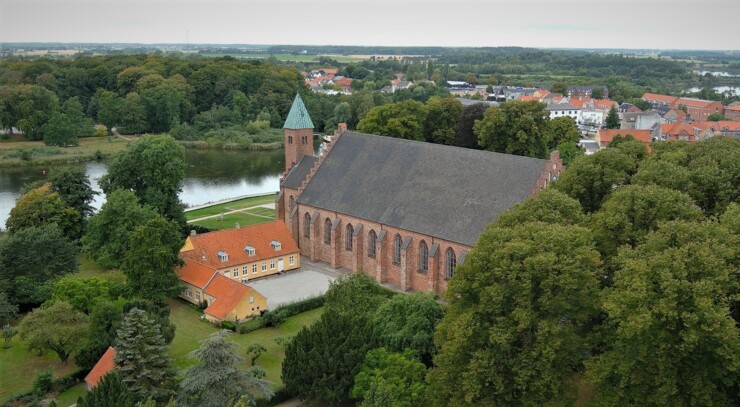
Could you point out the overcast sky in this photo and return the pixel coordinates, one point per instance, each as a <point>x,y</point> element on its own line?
<point>667,24</point>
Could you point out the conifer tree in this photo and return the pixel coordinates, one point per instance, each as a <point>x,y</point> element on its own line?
<point>218,379</point>
<point>110,391</point>
<point>141,355</point>
<point>612,119</point>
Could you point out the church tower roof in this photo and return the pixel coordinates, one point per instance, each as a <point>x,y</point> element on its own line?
<point>298,117</point>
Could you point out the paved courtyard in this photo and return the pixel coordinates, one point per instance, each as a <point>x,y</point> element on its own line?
<point>310,280</point>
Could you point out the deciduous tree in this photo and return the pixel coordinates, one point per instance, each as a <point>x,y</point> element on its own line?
<point>40,207</point>
<point>562,130</point>
<point>408,322</point>
<point>465,136</point>
<point>519,308</point>
<point>58,328</point>
<point>151,258</point>
<point>73,186</point>
<point>82,293</point>
<point>108,233</point>
<point>399,374</point>
<point>153,168</point>
<point>673,340</point>
<point>519,128</point>
<point>440,126</point>
<point>401,120</point>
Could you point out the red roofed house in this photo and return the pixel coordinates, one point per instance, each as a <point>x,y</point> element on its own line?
<point>102,368</point>
<point>605,136</point>
<point>733,112</point>
<point>700,110</point>
<point>227,299</point>
<point>725,127</point>
<point>684,132</point>
<point>245,253</point>
<point>659,100</point>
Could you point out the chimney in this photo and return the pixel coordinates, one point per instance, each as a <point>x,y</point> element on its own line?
<point>237,225</point>
<point>193,232</point>
<point>341,127</point>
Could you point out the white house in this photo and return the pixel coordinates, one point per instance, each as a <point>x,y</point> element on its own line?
<point>564,110</point>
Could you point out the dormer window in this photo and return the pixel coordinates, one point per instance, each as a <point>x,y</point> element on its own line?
<point>250,250</point>
<point>275,245</point>
<point>223,256</point>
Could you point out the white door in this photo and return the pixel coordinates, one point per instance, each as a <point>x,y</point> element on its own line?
<point>281,266</point>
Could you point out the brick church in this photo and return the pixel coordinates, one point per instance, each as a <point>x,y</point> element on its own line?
<point>404,212</point>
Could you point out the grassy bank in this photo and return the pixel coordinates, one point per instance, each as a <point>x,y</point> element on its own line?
<point>244,211</point>
<point>28,153</point>
<point>191,330</point>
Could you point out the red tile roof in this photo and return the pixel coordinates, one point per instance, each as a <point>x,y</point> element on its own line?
<point>343,82</point>
<point>329,71</point>
<point>694,102</point>
<point>671,129</point>
<point>525,98</point>
<point>735,108</point>
<point>724,125</point>
<point>228,293</point>
<point>233,242</point>
<point>104,365</point>
<point>195,273</point>
<point>603,104</point>
<point>607,135</point>
<point>660,98</point>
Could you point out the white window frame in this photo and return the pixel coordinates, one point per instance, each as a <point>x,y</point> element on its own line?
<point>291,260</point>
<point>254,268</point>
<point>264,266</point>
<point>272,264</point>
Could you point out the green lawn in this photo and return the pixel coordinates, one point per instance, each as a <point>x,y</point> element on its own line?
<point>18,368</point>
<point>230,206</point>
<point>244,219</point>
<point>70,396</point>
<point>191,330</point>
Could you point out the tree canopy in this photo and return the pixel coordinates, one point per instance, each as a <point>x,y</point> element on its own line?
<point>153,169</point>
<point>518,310</point>
<point>400,120</point>
<point>519,128</point>
<point>58,328</point>
<point>42,206</point>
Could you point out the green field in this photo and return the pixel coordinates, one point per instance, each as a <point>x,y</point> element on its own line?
<point>70,396</point>
<point>248,212</point>
<point>19,153</point>
<point>191,330</point>
<point>289,57</point>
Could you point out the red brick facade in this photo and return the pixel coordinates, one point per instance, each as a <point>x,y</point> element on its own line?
<point>298,143</point>
<point>350,248</point>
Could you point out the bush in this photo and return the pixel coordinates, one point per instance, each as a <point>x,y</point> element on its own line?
<point>228,325</point>
<point>273,318</point>
<point>252,325</point>
<point>43,381</point>
<point>280,396</point>
<point>300,306</point>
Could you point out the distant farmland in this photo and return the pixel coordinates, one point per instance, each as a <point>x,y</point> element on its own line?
<point>292,58</point>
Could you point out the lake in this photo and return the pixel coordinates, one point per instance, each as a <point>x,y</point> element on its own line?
<point>719,89</point>
<point>211,175</point>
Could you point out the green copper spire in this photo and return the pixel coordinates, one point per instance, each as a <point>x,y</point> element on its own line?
<point>298,117</point>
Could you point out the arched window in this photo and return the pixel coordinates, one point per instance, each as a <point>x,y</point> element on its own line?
<point>371,239</point>
<point>291,203</point>
<point>307,225</point>
<point>423,257</point>
<point>348,238</point>
<point>451,263</point>
<point>327,231</point>
<point>397,249</point>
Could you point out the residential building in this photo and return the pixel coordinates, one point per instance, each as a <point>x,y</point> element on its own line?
<point>404,212</point>
<point>226,299</point>
<point>640,121</point>
<point>685,132</point>
<point>628,108</point>
<point>660,100</point>
<point>698,109</point>
<point>605,136</point>
<point>104,365</point>
<point>245,253</point>
<point>725,127</point>
<point>732,112</point>
<point>564,110</point>
<point>587,91</point>
<point>588,146</point>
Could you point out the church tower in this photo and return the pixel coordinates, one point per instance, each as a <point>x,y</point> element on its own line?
<point>298,133</point>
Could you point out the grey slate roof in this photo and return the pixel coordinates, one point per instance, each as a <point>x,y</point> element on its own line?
<point>562,106</point>
<point>299,172</point>
<point>448,192</point>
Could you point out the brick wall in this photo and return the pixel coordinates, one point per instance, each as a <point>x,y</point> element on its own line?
<point>297,144</point>
<point>406,274</point>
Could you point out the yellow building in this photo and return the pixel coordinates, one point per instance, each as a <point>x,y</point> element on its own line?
<point>227,299</point>
<point>245,253</point>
